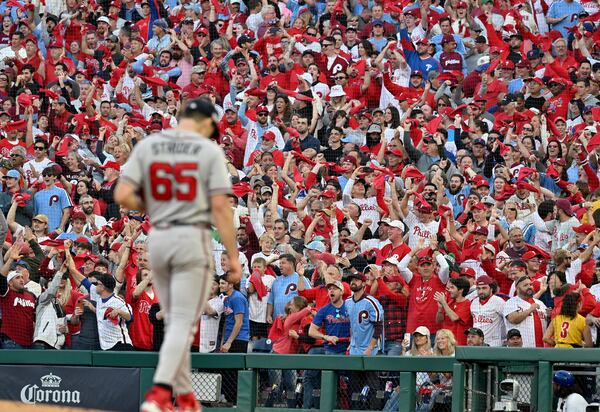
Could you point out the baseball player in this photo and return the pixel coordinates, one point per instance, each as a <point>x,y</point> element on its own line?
<point>179,177</point>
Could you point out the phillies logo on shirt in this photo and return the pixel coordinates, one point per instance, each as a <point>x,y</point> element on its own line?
<point>227,310</point>
<point>53,199</point>
<point>482,319</point>
<point>144,307</point>
<point>23,302</point>
<point>291,288</point>
<point>362,315</point>
<point>421,233</point>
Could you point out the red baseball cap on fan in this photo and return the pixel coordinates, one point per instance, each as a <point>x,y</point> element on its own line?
<point>269,135</point>
<point>261,108</point>
<point>111,165</point>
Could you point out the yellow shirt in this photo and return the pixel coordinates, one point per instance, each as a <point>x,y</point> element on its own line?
<point>567,331</point>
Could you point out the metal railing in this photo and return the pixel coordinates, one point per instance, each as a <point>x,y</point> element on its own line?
<point>475,372</point>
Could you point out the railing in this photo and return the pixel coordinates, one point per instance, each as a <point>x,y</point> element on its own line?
<point>468,369</point>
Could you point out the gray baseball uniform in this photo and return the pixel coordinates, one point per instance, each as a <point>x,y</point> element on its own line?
<point>177,173</point>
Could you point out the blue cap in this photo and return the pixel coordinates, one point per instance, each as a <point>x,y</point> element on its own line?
<point>22,263</point>
<point>377,22</point>
<point>14,174</point>
<point>563,378</point>
<point>195,7</point>
<point>62,100</point>
<point>125,107</point>
<point>316,245</point>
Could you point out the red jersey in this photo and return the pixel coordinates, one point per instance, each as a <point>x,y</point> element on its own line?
<point>320,295</point>
<point>464,321</point>
<point>422,308</point>
<point>141,329</point>
<point>558,106</point>
<point>451,61</point>
<point>18,316</point>
<point>389,251</point>
<point>6,146</point>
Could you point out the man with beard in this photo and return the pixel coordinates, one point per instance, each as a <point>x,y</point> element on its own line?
<point>18,308</point>
<point>305,140</point>
<point>455,314</point>
<point>526,314</point>
<point>564,232</point>
<point>421,60</point>
<point>457,192</point>
<point>95,221</point>
<point>166,68</point>
<point>366,318</point>
<point>488,311</point>
<point>257,129</point>
<point>333,320</point>
<point>275,76</point>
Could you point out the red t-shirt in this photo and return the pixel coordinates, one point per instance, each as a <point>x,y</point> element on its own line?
<point>320,295</point>
<point>18,316</point>
<point>465,321</point>
<point>422,308</point>
<point>6,146</point>
<point>390,251</point>
<point>141,329</point>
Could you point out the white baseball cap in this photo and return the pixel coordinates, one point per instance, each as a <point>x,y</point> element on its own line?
<point>103,19</point>
<point>397,224</point>
<point>11,275</point>
<point>337,91</point>
<point>306,77</point>
<point>422,330</point>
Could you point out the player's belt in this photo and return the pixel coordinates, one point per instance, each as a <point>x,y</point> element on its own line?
<point>177,223</point>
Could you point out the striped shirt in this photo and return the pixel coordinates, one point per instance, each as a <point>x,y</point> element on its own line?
<point>110,333</point>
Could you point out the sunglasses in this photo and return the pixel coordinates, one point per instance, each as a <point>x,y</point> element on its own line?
<point>340,78</point>
<point>261,114</point>
<point>327,44</point>
<point>15,155</point>
<point>39,148</point>
<point>442,105</point>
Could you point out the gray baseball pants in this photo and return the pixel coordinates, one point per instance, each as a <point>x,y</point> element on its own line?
<point>182,264</point>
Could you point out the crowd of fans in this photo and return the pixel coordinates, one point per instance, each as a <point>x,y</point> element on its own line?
<point>406,176</point>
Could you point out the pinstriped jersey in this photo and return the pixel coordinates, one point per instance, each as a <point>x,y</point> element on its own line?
<point>364,314</point>
<point>177,172</point>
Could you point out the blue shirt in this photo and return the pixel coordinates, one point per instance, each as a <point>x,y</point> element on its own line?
<point>234,305</point>
<point>364,314</point>
<point>51,202</point>
<point>457,199</point>
<point>562,8</point>
<point>284,289</point>
<point>336,323</point>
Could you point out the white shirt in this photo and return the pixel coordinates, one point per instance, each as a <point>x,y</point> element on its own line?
<point>209,326</point>
<point>573,403</point>
<point>109,333</point>
<point>489,317</point>
<point>595,290</point>
<point>526,327</point>
<point>257,309</point>
<point>419,230</point>
<point>34,166</point>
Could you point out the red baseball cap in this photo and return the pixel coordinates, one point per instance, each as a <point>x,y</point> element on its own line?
<point>328,193</point>
<point>470,272</point>
<point>586,228</point>
<point>111,165</point>
<point>269,135</point>
<point>261,108</point>
<point>530,255</point>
